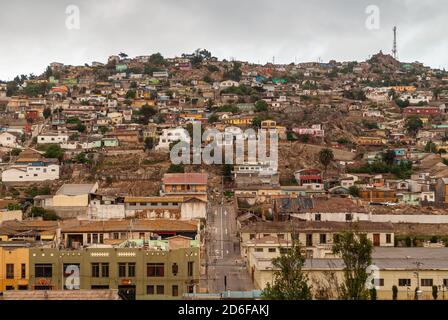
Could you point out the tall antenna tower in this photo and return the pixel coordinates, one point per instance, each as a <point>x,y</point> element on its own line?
<point>394,49</point>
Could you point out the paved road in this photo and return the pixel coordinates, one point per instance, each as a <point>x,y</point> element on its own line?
<point>222,245</point>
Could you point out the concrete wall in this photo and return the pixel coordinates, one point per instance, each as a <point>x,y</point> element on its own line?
<point>61,200</point>
<point>11,215</point>
<point>394,218</point>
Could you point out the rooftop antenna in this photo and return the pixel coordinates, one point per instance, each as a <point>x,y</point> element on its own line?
<point>394,50</point>
<point>273,59</point>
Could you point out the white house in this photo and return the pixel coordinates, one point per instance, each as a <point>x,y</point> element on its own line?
<point>171,135</point>
<point>8,140</point>
<point>228,83</point>
<point>52,138</point>
<point>33,172</point>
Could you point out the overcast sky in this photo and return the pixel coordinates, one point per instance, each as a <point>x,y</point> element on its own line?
<point>34,33</point>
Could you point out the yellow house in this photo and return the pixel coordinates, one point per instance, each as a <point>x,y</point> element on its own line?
<point>247,120</point>
<point>74,195</point>
<point>370,141</point>
<point>14,268</point>
<point>391,267</point>
<point>404,88</point>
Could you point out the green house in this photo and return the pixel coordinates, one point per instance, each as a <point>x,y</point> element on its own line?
<point>121,67</point>
<point>110,142</point>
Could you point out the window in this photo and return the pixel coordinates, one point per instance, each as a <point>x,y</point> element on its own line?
<point>281,236</point>
<point>149,290</point>
<point>272,250</point>
<point>122,270</point>
<point>23,287</point>
<point>426,282</point>
<point>252,236</point>
<point>317,217</point>
<point>160,289</point>
<point>445,282</point>
<point>378,282</point>
<point>348,217</point>
<point>309,239</point>
<point>9,271</point>
<point>95,237</point>
<point>43,270</point>
<point>404,282</point>
<point>22,271</point>
<point>323,238</point>
<point>258,249</point>
<point>388,238</point>
<point>155,269</point>
<point>131,269</point>
<point>175,269</point>
<point>95,270</point>
<point>116,235</point>
<point>190,289</point>
<point>175,291</point>
<point>190,268</point>
<point>105,270</point>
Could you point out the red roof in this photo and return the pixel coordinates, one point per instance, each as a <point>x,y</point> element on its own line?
<point>185,178</point>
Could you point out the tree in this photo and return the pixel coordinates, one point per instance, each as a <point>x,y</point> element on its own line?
<point>13,207</point>
<point>326,156</point>
<point>389,157</point>
<point>354,191</point>
<point>356,252</point>
<point>157,59</point>
<point>373,294</point>
<point>227,172</point>
<point>430,147</point>
<point>261,106</point>
<point>122,55</point>
<point>80,127</point>
<point>146,113</point>
<point>176,168</point>
<point>402,103</point>
<point>47,113</point>
<point>103,129</point>
<point>435,293</point>
<point>289,280</point>
<point>149,143</point>
<point>130,94</point>
<point>81,158</point>
<point>15,152</point>
<point>47,215</point>
<point>413,125</point>
<point>54,151</point>
<point>394,292</point>
<point>213,118</point>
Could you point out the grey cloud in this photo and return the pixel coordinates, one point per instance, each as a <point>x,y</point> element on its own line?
<point>33,33</point>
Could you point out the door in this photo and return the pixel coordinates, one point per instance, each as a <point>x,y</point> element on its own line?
<point>376,239</point>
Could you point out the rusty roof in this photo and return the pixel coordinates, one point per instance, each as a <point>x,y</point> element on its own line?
<point>185,178</point>
<point>154,225</point>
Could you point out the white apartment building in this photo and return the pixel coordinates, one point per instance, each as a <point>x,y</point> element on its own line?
<point>34,172</point>
<point>52,138</point>
<point>171,135</point>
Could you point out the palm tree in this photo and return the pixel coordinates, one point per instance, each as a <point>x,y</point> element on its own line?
<point>326,156</point>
